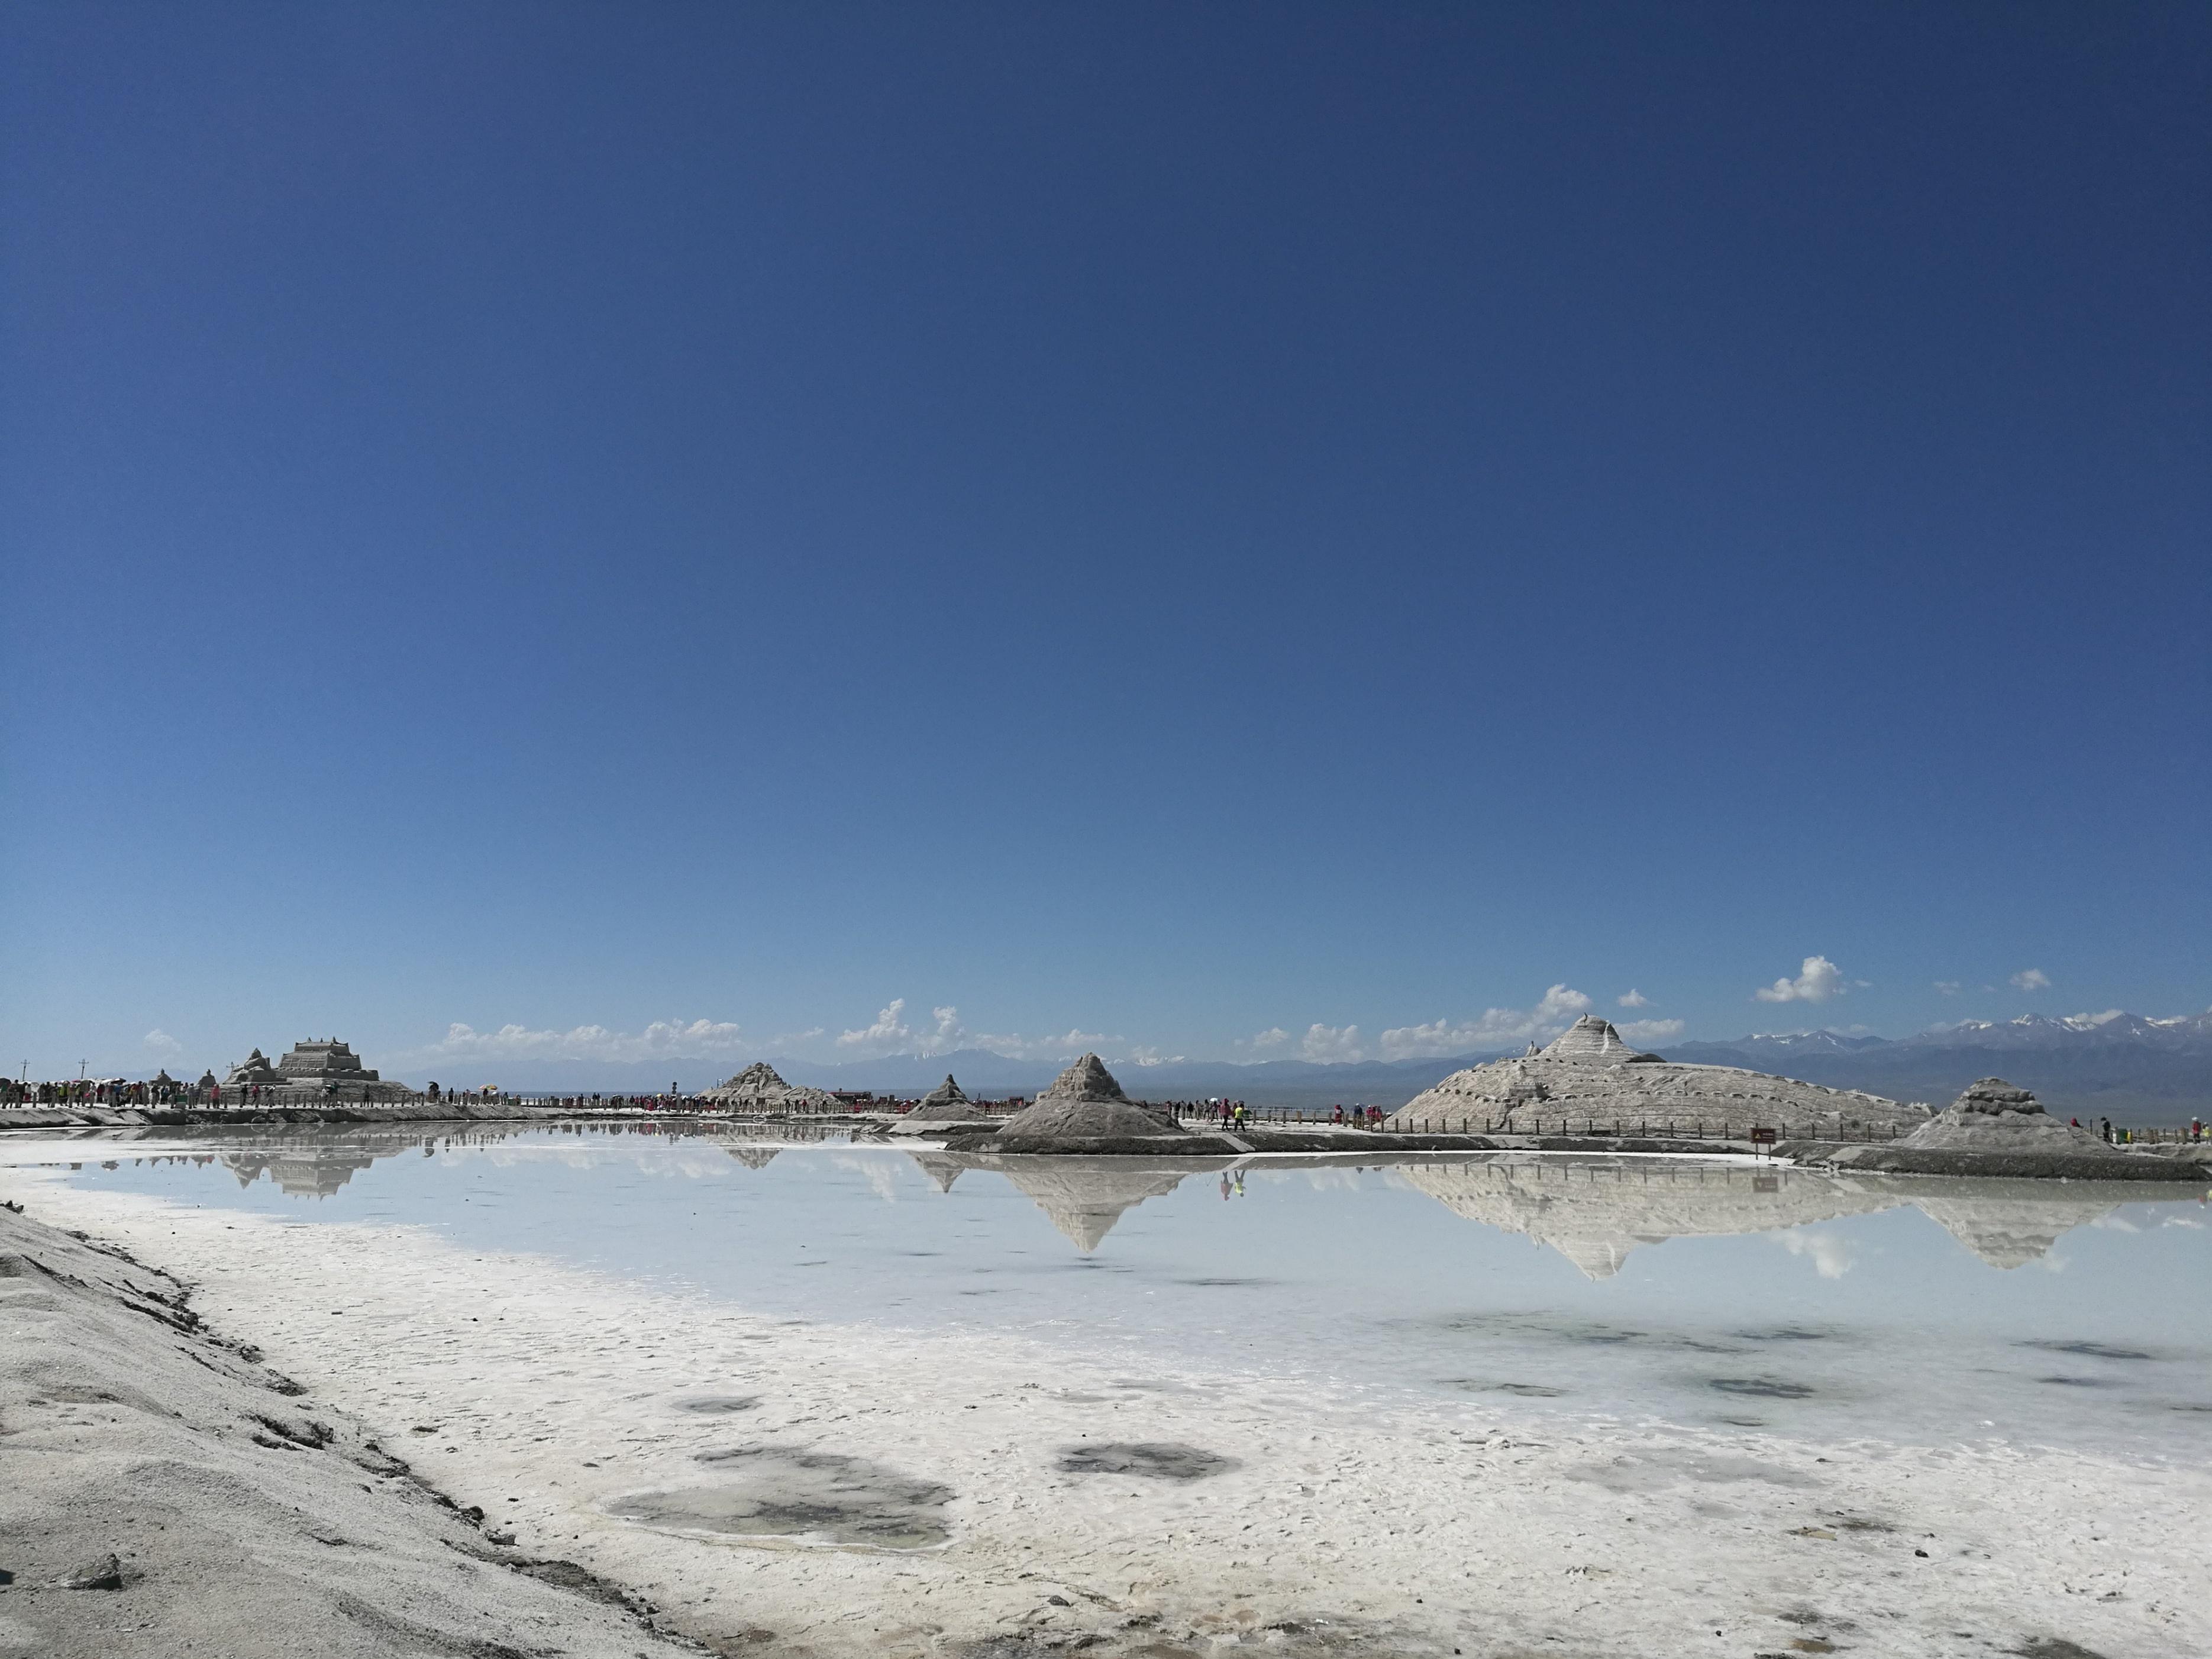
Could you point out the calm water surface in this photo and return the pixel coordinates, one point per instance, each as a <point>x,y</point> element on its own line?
<point>1711,1294</point>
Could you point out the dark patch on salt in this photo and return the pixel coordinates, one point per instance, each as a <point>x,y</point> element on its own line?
<point>2076,1381</point>
<point>1198,1633</point>
<point>1786,1334</point>
<point>719,1405</point>
<point>1765,1387</point>
<point>790,1491</point>
<point>2088,1349</point>
<point>1482,1385</point>
<point>1224,1283</point>
<point>1158,1460</point>
<point>2054,1647</point>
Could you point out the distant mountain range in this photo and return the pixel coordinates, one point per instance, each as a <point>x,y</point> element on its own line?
<point>2121,1065</point>
<point>2117,1064</point>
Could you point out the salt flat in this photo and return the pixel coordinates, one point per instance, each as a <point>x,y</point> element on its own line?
<point>830,1473</point>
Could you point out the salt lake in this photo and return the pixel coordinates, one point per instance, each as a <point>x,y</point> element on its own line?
<point>1718,1294</point>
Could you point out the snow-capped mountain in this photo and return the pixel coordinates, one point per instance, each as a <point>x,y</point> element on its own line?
<point>2116,1064</point>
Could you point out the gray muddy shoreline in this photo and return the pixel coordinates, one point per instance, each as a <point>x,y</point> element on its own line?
<point>165,1492</point>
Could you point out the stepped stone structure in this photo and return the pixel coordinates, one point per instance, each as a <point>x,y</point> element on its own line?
<point>1085,1102</point>
<point>314,1073</point>
<point>1591,1077</point>
<point>317,1062</point>
<point>758,1088</point>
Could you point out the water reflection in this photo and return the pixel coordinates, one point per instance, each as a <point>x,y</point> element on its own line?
<point>314,1161</point>
<point>1082,1197</point>
<point>1596,1212</point>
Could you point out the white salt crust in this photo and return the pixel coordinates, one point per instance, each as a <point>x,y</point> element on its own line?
<point>1410,1528</point>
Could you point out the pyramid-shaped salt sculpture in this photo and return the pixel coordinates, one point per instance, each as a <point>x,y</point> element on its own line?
<point>1993,1116</point>
<point>761,1086</point>
<point>1085,1102</point>
<point>944,1104</point>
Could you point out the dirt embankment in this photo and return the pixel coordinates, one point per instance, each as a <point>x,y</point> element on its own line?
<point>162,1491</point>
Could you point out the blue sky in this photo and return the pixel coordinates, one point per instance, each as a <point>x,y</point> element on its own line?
<point>1152,525</point>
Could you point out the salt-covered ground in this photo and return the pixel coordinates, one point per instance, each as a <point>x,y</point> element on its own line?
<point>834,1488</point>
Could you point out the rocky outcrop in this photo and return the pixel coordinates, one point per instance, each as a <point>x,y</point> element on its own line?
<point>1085,1103</point>
<point>1591,1080</point>
<point>760,1088</point>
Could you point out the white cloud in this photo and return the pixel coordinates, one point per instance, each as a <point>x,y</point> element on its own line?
<point>1651,1030</point>
<point>1634,1000</point>
<point>2104,1018</point>
<point>1556,1009</point>
<point>1331,1044</point>
<point>1265,1041</point>
<point>1819,979</point>
<point>1949,988</point>
<point>1830,1253</point>
<point>2031,978</point>
<point>161,1042</point>
<point>889,1032</point>
<point>671,1039</point>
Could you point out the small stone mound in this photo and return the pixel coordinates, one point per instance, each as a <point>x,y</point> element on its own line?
<point>1084,1101</point>
<point>1993,1115</point>
<point>947,1102</point>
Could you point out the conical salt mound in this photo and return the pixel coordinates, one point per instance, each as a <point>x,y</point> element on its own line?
<point>947,1099</point>
<point>1590,1038</point>
<point>1084,1101</point>
<point>1087,1079</point>
<point>1993,1116</point>
<point>761,1084</point>
<point>754,1157</point>
<point>947,1103</point>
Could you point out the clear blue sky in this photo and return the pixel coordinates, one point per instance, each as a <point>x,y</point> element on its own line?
<point>1162,523</point>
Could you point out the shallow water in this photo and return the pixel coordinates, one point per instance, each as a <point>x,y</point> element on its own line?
<point>1695,1292</point>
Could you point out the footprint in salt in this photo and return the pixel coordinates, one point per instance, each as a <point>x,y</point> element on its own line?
<point>719,1405</point>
